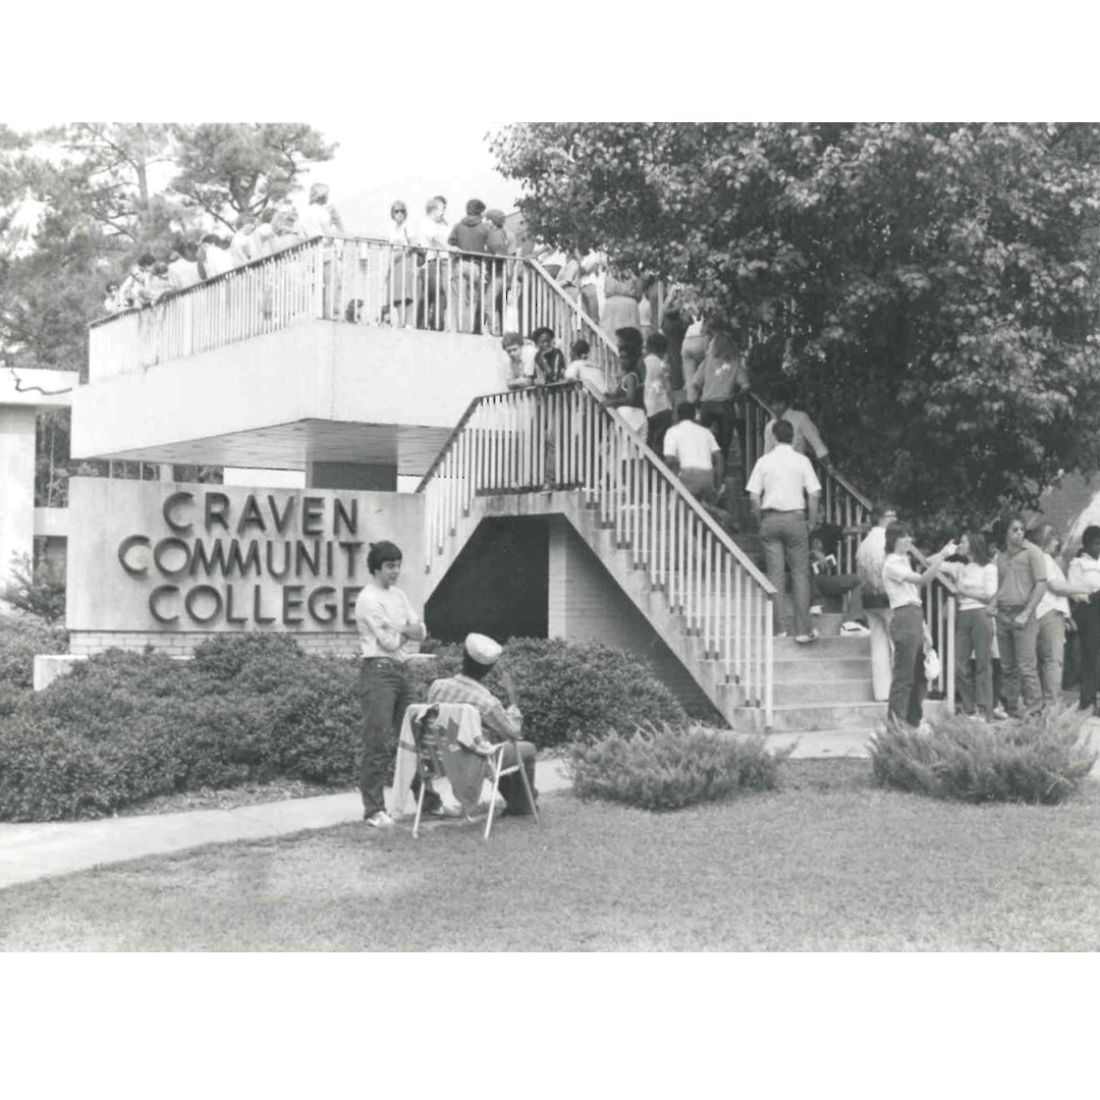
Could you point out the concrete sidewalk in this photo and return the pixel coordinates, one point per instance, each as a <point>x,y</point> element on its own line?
<point>34,851</point>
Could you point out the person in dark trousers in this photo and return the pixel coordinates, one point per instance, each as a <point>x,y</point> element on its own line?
<point>471,235</point>
<point>387,625</point>
<point>907,631</point>
<point>1084,573</point>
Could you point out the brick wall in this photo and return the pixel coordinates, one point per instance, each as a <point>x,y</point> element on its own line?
<point>86,643</point>
<point>585,603</point>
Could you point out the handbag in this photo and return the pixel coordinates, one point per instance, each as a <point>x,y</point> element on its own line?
<point>932,667</point>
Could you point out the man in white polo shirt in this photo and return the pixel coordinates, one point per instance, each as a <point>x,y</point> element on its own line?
<point>783,486</point>
<point>693,454</point>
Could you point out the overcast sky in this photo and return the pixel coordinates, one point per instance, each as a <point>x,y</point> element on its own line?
<point>379,161</point>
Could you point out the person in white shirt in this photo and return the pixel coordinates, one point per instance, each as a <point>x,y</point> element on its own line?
<point>183,271</point>
<point>581,370</point>
<point>783,488</point>
<point>242,248</point>
<point>907,630</point>
<point>521,369</point>
<point>592,265</point>
<point>319,218</point>
<point>1084,574</point>
<point>807,439</point>
<point>214,256</point>
<point>389,629</point>
<point>692,453</point>
<point>976,582</point>
<point>869,558</point>
<point>1053,614</point>
<point>432,234</point>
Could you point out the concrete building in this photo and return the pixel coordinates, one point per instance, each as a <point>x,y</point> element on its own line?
<point>22,394</point>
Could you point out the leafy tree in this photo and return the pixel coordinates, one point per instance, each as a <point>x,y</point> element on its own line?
<point>37,590</point>
<point>227,170</point>
<point>932,288</point>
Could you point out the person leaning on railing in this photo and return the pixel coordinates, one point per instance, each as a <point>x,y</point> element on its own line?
<point>629,395</point>
<point>902,584</point>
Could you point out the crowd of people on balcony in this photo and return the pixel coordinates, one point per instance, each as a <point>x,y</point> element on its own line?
<point>191,261</point>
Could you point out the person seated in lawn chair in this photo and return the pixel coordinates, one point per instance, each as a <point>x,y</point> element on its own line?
<point>498,723</point>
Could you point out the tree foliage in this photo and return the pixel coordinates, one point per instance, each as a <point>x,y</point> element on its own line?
<point>227,170</point>
<point>37,590</point>
<point>932,288</point>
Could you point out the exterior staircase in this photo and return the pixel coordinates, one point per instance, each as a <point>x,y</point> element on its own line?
<point>703,591</point>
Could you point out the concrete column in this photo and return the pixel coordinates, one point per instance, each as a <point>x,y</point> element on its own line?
<point>557,596</point>
<point>351,475</point>
<point>17,435</point>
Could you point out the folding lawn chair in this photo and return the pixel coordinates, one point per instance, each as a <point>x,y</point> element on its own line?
<point>496,759</point>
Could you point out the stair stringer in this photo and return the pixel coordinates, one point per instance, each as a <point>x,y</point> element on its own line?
<point>634,582</point>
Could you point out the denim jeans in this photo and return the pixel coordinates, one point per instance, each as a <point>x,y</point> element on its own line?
<point>974,634</point>
<point>1019,659</point>
<point>908,685</point>
<point>1087,617</point>
<point>786,536</point>
<point>385,695</point>
<point>1050,647</point>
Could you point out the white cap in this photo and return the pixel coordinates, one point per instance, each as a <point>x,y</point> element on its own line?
<point>483,649</point>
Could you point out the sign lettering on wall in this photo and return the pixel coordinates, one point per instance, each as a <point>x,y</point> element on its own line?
<point>155,556</point>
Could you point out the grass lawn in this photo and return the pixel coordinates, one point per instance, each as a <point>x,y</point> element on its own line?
<point>828,863</point>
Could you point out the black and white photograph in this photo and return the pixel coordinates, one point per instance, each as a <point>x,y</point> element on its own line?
<point>430,536</point>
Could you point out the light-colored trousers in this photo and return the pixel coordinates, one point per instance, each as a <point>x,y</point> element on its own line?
<point>882,651</point>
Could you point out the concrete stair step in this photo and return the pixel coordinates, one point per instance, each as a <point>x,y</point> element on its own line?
<point>797,717</point>
<point>808,665</point>
<point>789,649</point>
<point>815,692</point>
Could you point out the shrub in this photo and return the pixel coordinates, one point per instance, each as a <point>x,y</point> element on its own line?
<point>671,768</point>
<point>21,639</point>
<point>1037,759</point>
<point>250,708</point>
<point>570,691</point>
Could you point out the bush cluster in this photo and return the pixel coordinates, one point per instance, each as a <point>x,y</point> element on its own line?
<point>21,639</point>
<point>673,767</point>
<point>124,727</point>
<point>1040,759</point>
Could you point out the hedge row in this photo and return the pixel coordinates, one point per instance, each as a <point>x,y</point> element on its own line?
<point>123,727</point>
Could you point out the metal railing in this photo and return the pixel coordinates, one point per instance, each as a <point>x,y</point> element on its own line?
<point>563,436</point>
<point>351,280</point>
<point>845,507</point>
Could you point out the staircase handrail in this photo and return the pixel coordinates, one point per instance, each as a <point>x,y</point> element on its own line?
<point>651,456</point>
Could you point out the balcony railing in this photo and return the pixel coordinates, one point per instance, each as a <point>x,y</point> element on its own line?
<point>349,280</point>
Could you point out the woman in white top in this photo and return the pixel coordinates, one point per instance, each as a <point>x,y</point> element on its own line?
<point>1084,574</point>
<point>902,586</point>
<point>401,278</point>
<point>976,581</point>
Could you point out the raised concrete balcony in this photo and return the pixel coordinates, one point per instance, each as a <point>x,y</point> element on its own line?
<point>312,359</point>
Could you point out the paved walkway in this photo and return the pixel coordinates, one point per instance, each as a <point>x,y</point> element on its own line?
<point>34,851</point>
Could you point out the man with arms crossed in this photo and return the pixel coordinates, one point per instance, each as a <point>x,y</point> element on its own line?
<point>782,486</point>
<point>387,627</point>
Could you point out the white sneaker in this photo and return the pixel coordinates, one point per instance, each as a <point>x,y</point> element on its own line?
<point>816,609</point>
<point>379,820</point>
<point>854,630</point>
<point>805,639</point>
<point>925,730</point>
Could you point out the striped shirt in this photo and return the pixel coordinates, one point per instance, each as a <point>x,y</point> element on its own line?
<point>499,723</point>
